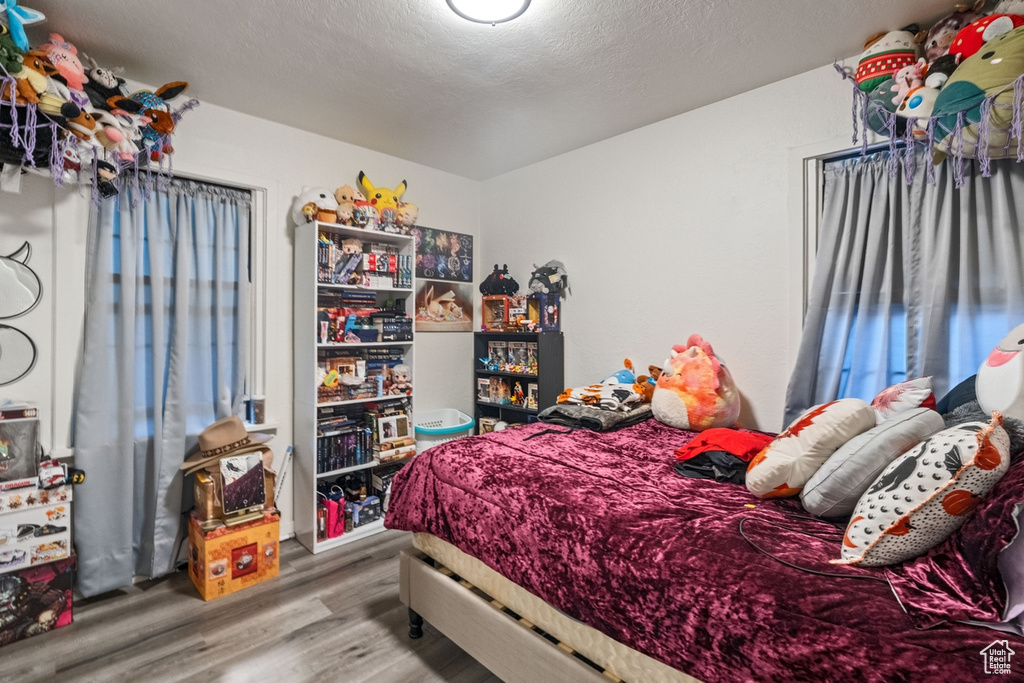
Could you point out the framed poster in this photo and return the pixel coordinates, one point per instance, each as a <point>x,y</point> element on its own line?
<point>444,307</point>
<point>443,255</point>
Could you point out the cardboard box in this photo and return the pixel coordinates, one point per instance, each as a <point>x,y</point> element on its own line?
<point>228,559</point>
<point>36,600</point>
<point>33,534</point>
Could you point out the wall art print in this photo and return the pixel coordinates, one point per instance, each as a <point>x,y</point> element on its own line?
<point>443,255</point>
<point>444,307</point>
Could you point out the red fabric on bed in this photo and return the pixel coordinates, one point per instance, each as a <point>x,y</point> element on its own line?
<point>600,527</point>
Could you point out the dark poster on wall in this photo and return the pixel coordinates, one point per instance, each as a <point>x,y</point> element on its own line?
<point>443,255</point>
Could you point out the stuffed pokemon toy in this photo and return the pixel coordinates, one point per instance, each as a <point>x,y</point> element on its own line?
<point>1000,383</point>
<point>381,198</point>
<point>314,202</point>
<point>695,390</point>
<point>408,214</point>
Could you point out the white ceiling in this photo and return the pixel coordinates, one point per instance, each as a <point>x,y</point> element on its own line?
<point>411,79</point>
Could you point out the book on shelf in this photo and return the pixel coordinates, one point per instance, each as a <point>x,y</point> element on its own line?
<point>396,454</point>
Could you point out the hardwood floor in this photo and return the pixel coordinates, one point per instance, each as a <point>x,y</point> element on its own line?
<point>330,617</point>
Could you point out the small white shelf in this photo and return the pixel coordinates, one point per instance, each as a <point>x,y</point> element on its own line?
<point>346,470</point>
<point>351,536</point>
<point>368,235</point>
<point>360,288</point>
<point>362,345</point>
<point>354,401</point>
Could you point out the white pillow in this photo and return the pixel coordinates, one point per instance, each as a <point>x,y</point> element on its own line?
<point>789,461</point>
<point>899,398</point>
<point>836,487</point>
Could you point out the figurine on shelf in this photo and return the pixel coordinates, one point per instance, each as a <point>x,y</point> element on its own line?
<point>400,384</point>
<point>518,397</point>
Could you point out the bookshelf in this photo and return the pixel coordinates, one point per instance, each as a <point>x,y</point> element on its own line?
<point>548,379</point>
<point>332,440</point>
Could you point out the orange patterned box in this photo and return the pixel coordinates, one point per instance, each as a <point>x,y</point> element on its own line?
<point>229,559</point>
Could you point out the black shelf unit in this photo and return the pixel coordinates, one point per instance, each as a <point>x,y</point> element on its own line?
<point>549,378</point>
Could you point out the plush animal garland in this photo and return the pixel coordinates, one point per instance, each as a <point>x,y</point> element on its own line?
<point>63,115</point>
<point>963,100</point>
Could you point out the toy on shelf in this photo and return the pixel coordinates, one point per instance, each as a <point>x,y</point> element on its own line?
<point>400,375</point>
<point>495,310</point>
<point>499,282</point>
<point>382,198</point>
<point>551,278</point>
<point>314,204</point>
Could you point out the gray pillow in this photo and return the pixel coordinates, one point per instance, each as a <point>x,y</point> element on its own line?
<point>833,491</point>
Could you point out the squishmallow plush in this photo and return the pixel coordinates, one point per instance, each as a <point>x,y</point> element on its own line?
<point>882,111</point>
<point>945,30</point>
<point>987,75</point>
<point>1000,383</point>
<point>695,390</point>
<point>884,56</point>
<point>971,37</point>
<point>315,203</point>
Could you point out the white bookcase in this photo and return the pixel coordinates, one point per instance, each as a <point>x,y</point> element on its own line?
<point>307,345</point>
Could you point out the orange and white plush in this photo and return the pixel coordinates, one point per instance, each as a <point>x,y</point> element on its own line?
<point>695,390</point>
<point>789,462</point>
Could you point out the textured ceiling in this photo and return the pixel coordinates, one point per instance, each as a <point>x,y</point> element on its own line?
<point>411,79</point>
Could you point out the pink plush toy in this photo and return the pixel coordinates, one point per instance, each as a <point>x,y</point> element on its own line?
<point>64,58</point>
<point>695,390</point>
<point>908,78</point>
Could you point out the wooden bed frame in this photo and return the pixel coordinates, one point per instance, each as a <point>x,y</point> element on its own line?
<point>509,643</point>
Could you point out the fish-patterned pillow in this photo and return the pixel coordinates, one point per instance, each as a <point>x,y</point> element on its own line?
<point>926,494</point>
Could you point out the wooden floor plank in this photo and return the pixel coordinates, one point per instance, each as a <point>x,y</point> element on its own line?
<point>333,616</point>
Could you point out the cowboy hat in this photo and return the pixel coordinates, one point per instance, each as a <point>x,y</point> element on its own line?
<point>223,438</point>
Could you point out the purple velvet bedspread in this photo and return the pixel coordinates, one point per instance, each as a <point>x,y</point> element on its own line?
<point>602,528</point>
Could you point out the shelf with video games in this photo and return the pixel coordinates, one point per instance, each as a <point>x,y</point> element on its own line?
<point>353,375</point>
<point>516,375</point>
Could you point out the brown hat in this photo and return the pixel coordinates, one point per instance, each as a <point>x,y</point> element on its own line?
<point>224,437</point>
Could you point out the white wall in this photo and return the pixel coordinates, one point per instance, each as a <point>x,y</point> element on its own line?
<point>216,143</point>
<point>692,224</point>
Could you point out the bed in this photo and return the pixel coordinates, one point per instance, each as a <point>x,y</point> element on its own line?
<point>592,543</point>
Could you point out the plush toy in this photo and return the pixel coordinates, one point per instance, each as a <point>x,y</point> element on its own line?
<point>64,57</point>
<point>885,55</point>
<point>381,197</point>
<point>881,110</point>
<point>695,390</point>
<point>908,78</point>
<point>311,203</point>
<point>550,278</point>
<point>364,215</point>
<point>1000,382</point>
<point>499,282</point>
<point>1009,7</point>
<point>35,84</point>
<point>918,105</point>
<point>988,74</point>
<point>970,38</point>
<point>10,53</point>
<point>408,214</point>
<point>942,34</point>
<point>940,70</point>
<point>624,376</point>
<point>400,375</point>
<point>154,105</point>
<point>346,214</point>
<point>18,17</point>
<point>102,84</point>
<point>646,384</point>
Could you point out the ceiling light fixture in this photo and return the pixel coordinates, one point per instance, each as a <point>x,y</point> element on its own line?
<point>488,11</point>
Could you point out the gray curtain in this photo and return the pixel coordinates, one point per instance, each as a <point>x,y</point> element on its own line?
<point>166,311</point>
<point>911,279</point>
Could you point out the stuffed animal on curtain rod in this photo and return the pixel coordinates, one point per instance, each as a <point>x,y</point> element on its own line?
<point>1000,383</point>
<point>695,390</point>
